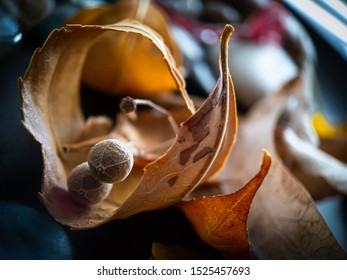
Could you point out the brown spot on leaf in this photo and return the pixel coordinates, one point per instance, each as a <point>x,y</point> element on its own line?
<point>186,154</point>
<point>181,139</point>
<point>203,133</point>
<point>172,181</point>
<point>199,126</point>
<point>205,151</point>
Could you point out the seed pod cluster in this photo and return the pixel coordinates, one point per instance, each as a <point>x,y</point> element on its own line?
<point>109,162</point>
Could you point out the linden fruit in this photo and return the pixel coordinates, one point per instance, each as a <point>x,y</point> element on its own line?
<point>84,188</point>
<point>110,161</point>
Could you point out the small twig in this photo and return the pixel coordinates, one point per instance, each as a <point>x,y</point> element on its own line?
<point>129,105</point>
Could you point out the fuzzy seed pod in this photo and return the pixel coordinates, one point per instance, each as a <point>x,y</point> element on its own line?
<point>110,161</point>
<point>84,188</point>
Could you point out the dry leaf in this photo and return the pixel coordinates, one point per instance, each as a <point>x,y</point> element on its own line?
<point>134,129</point>
<point>299,145</point>
<point>221,221</point>
<point>146,147</point>
<point>314,165</point>
<point>51,105</point>
<point>284,222</point>
<point>198,144</point>
<point>52,114</point>
<point>120,64</point>
<point>95,126</point>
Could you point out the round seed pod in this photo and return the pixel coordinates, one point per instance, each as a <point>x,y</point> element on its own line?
<point>110,161</point>
<point>84,188</point>
<point>127,105</point>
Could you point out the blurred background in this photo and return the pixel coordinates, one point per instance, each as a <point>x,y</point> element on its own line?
<point>272,41</point>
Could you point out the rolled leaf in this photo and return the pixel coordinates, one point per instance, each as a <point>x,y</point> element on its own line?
<point>52,114</point>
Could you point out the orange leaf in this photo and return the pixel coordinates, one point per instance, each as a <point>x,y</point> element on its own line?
<point>221,221</point>
<point>119,65</point>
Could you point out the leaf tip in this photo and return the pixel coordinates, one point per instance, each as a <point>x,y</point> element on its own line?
<point>224,40</point>
<point>228,30</point>
<point>266,160</point>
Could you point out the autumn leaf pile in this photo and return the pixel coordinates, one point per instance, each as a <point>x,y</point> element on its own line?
<point>120,50</point>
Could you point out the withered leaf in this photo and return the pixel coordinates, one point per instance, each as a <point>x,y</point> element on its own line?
<point>298,144</point>
<point>221,221</point>
<point>50,92</point>
<point>198,145</point>
<point>146,147</point>
<point>119,64</point>
<point>316,165</point>
<point>284,222</point>
<point>95,126</point>
<point>52,114</point>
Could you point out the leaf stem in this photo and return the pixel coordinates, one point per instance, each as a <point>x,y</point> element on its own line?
<point>224,67</point>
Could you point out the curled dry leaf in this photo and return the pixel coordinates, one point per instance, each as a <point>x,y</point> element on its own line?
<point>221,221</point>
<point>298,144</point>
<point>110,60</point>
<point>313,165</point>
<point>301,149</point>
<point>198,146</point>
<point>166,112</point>
<point>146,147</point>
<point>51,105</point>
<point>95,126</point>
<point>284,222</point>
<point>52,114</point>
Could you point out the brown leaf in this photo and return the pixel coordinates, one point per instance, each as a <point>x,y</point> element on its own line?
<point>198,145</point>
<point>314,165</point>
<point>95,126</point>
<point>119,64</point>
<point>146,147</point>
<point>52,114</point>
<point>221,221</point>
<point>284,222</point>
<point>299,146</point>
<point>151,140</point>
